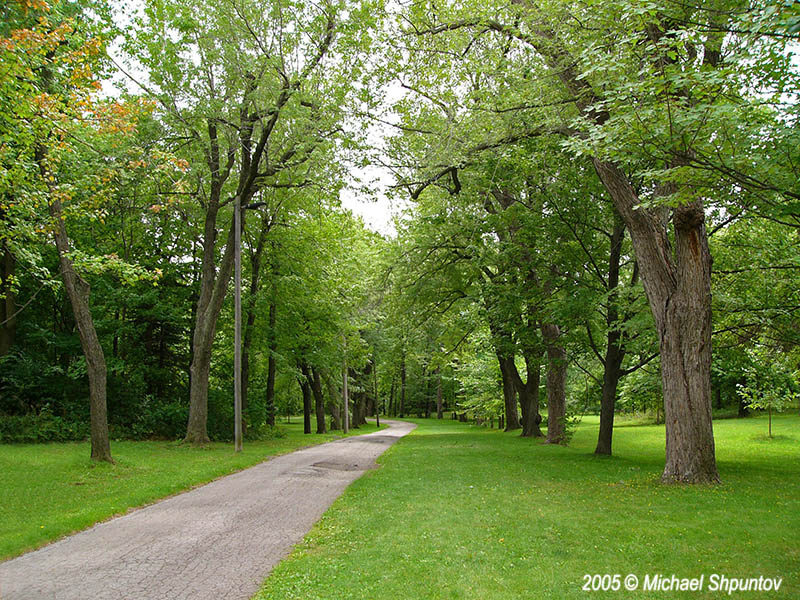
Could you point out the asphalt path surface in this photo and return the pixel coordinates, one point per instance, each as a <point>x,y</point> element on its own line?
<point>216,542</point>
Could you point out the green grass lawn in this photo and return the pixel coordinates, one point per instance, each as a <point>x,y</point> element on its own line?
<point>50,490</point>
<point>458,511</point>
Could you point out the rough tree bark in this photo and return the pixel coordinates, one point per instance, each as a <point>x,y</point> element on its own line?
<point>677,284</point>
<point>678,287</point>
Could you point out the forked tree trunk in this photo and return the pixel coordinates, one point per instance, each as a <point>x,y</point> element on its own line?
<point>678,288</point>
<point>213,286</point>
<point>528,391</point>
<point>78,293</point>
<point>556,384</point>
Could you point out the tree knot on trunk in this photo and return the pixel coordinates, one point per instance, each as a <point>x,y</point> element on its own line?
<point>688,216</point>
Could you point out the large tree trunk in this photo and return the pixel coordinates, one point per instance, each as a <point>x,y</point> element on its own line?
<point>78,293</point>
<point>319,400</point>
<point>556,384</point>
<point>615,353</point>
<point>8,309</point>
<point>678,289</point>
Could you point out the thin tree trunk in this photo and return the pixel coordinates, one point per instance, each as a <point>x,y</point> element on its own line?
<point>305,388</point>
<point>612,373</point>
<point>402,385</point>
<point>273,348</point>
<point>8,308</point>
<point>345,394</point>
<point>422,409</point>
<point>319,400</point>
<point>439,410</point>
<point>556,384</point>
<point>615,353</point>
<point>255,283</point>
<point>391,412</point>
<point>377,398</point>
<point>78,293</point>
<point>769,411</point>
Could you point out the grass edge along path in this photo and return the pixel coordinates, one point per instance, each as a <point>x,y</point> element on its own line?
<point>460,512</point>
<point>53,490</point>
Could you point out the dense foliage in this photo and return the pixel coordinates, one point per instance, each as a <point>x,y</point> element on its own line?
<point>569,171</point>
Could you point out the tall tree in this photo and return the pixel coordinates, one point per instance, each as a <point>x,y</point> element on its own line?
<point>253,111</point>
<point>643,104</point>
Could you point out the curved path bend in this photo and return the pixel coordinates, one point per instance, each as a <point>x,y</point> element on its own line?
<point>216,542</point>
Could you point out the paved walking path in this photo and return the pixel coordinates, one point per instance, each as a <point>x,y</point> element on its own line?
<point>216,542</point>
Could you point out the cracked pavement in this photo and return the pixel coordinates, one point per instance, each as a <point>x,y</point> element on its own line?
<point>215,542</point>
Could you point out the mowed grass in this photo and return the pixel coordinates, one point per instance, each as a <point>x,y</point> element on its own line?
<point>50,490</point>
<point>457,511</point>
